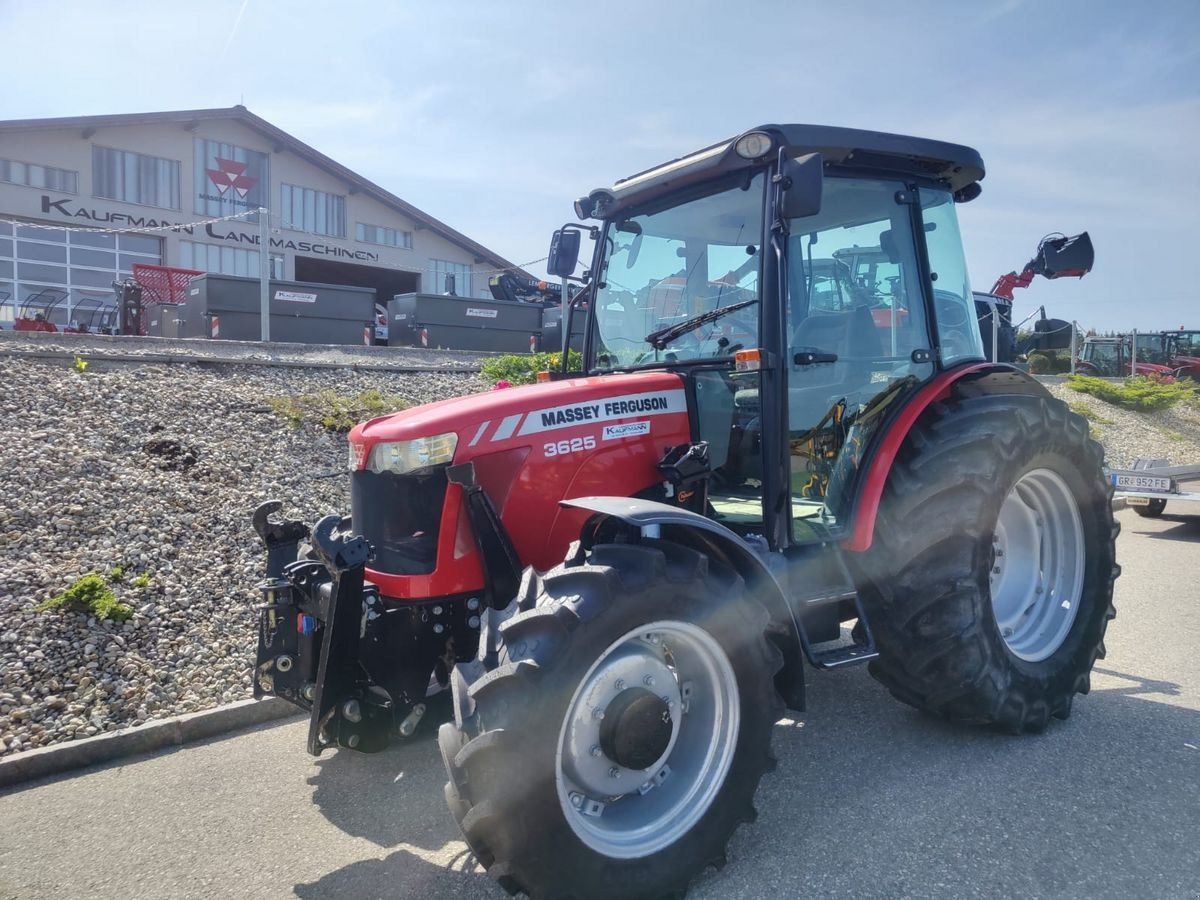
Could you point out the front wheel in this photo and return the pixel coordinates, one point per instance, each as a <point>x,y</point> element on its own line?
<point>620,740</point>
<point>989,585</point>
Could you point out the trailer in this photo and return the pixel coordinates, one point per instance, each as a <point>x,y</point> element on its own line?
<point>1148,486</point>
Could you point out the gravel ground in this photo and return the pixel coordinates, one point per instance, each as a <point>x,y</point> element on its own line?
<point>84,495</point>
<point>1171,434</point>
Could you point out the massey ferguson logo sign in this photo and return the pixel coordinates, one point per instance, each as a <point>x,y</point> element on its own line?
<point>231,174</point>
<point>233,179</point>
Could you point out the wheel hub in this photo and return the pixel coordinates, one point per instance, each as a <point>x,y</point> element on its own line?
<point>647,739</point>
<point>636,729</point>
<point>607,714</point>
<point>1036,577</point>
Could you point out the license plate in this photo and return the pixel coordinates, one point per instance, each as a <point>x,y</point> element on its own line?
<point>1138,501</point>
<point>1142,482</point>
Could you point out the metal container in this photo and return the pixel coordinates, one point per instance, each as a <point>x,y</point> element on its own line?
<point>301,312</point>
<point>464,323</point>
<point>163,319</point>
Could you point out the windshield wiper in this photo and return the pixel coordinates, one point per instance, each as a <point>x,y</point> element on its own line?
<point>659,339</point>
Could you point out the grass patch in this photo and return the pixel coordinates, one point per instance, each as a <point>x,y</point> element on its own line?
<point>89,594</point>
<point>1139,393</point>
<point>522,368</point>
<point>333,411</point>
<point>1078,406</point>
<point>116,575</point>
<point>142,580</point>
<point>1175,436</point>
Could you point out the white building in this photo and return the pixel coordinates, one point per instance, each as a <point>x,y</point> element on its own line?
<point>142,171</point>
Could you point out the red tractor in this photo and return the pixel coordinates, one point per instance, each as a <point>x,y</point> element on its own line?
<point>1112,357</point>
<point>622,573</point>
<point>1175,351</point>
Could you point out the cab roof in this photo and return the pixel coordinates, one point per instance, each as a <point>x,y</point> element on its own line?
<point>846,150</point>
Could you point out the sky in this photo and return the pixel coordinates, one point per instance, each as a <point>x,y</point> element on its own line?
<point>494,117</point>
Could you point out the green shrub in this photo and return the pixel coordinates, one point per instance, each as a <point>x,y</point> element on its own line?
<point>333,411</point>
<point>92,595</point>
<point>1088,413</point>
<point>142,580</point>
<point>116,574</point>
<point>1137,393</point>
<point>1039,363</point>
<point>522,368</point>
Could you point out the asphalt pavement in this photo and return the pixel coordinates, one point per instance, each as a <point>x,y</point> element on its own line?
<point>871,799</point>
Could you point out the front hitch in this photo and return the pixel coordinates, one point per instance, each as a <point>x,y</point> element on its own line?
<point>346,712</point>
<point>312,617</point>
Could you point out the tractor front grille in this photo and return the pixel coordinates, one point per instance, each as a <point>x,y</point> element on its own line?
<point>399,515</point>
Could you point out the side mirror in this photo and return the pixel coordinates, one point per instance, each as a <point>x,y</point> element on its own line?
<point>564,253</point>
<point>800,183</point>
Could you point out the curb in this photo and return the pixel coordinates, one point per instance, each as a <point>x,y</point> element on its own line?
<point>154,735</point>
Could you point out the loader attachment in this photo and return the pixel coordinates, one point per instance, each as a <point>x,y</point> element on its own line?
<point>1065,257</point>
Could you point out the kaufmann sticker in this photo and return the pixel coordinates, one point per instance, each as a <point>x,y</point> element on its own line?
<point>295,297</point>
<point>481,313</point>
<point>625,430</point>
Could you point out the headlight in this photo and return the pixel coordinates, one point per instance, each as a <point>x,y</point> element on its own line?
<point>406,456</point>
<point>753,145</point>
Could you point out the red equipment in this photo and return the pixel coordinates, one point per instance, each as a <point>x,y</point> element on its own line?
<point>162,285</point>
<point>1058,256</point>
<point>619,576</point>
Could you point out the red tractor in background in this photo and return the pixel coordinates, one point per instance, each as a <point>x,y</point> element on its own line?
<point>1112,357</point>
<point>621,573</point>
<point>1177,351</point>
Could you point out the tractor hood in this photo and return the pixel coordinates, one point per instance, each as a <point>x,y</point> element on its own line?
<point>522,415</point>
<point>1145,368</point>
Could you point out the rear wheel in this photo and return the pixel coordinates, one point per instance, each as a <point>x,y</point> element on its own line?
<point>989,583</point>
<point>1151,511</point>
<point>621,738</point>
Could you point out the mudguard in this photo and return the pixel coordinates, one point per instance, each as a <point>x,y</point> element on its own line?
<point>974,378</point>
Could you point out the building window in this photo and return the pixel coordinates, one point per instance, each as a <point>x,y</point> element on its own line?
<point>304,209</point>
<point>47,178</point>
<point>66,275</point>
<point>388,237</point>
<point>223,260</point>
<point>228,179</point>
<point>135,178</point>
<point>461,272</point>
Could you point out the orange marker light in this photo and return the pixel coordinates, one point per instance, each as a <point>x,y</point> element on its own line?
<point>748,360</point>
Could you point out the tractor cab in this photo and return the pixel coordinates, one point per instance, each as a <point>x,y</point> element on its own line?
<point>803,281</point>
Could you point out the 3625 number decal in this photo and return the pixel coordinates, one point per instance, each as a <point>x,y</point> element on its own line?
<point>574,445</point>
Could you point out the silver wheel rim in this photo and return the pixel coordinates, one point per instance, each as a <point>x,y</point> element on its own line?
<point>1037,570</point>
<point>627,813</point>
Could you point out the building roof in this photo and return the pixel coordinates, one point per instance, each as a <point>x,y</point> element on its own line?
<point>280,140</point>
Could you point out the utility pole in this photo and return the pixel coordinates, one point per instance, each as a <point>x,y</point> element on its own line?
<point>264,273</point>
